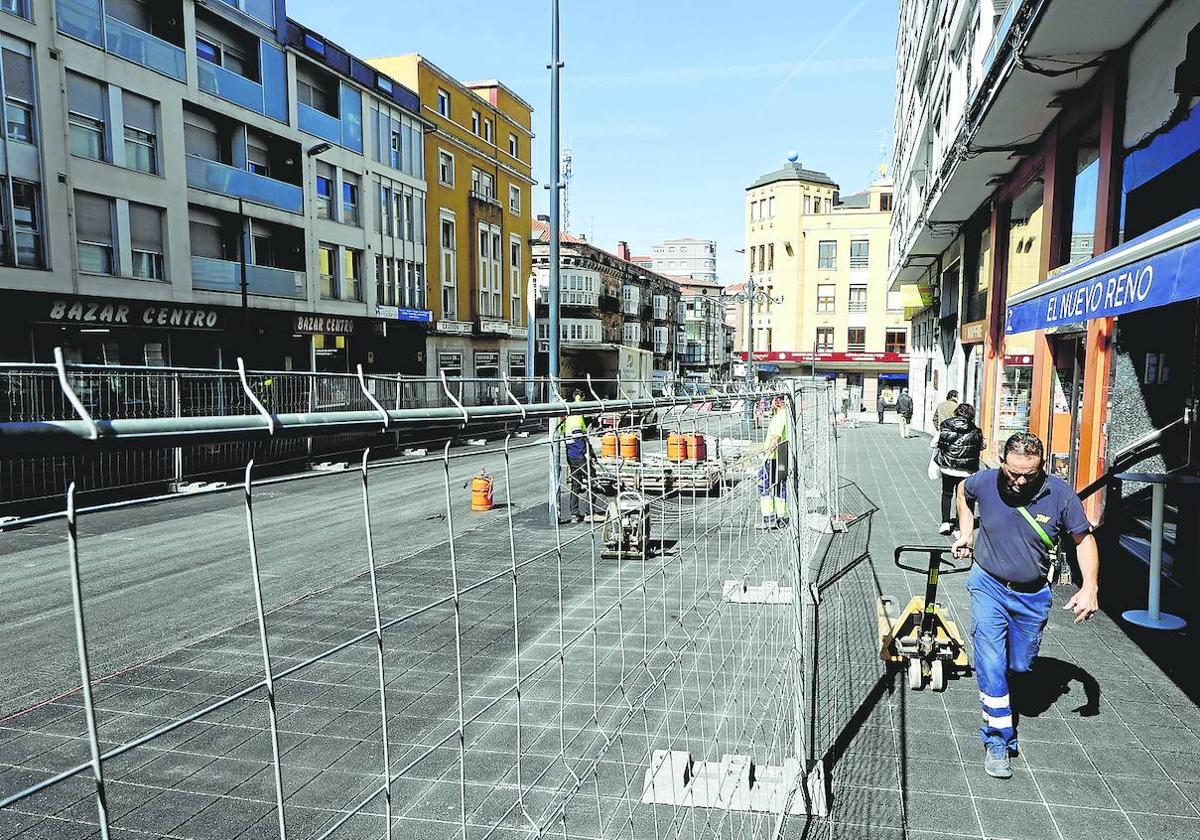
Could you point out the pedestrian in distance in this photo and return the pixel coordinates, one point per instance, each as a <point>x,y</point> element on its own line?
<point>957,445</point>
<point>904,411</point>
<point>879,406</point>
<point>945,409</point>
<point>1023,514</point>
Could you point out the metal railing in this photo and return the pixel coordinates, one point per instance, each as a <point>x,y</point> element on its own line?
<point>342,655</point>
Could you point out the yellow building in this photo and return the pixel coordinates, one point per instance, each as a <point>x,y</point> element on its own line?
<point>478,218</point>
<point>823,260</point>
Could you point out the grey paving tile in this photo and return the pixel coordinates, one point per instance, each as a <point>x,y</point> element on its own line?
<point>1015,821</point>
<point>944,813</point>
<point>1154,796</point>
<point>1160,827</point>
<point>1087,822</point>
<point>1074,789</point>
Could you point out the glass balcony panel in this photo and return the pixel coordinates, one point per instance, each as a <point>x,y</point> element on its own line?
<point>225,276</point>
<point>142,48</point>
<point>215,177</point>
<point>274,77</point>
<point>230,86</point>
<point>81,19</point>
<point>318,123</point>
<point>263,10</point>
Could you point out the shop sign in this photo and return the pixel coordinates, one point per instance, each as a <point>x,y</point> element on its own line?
<point>423,316</point>
<point>518,332</point>
<point>328,324</point>
<point>489,327</point>
<point>806,357</point>
<point>973,332</point>
<point>133,314</point>
<point>389,312</point>
<point>1156,280</point>
<point>455,327</point>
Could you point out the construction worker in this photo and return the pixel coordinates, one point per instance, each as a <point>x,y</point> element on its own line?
<point>1023,513</point>
<point>772,475</point>
<point>574,431</point>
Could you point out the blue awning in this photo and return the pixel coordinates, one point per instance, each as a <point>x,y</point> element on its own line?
<point>1159,267</point>
<point>893,377</point>
<point>766,368</point>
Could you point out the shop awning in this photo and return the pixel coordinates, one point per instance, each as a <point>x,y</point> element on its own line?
<point>1159,267</point>
<point>894,377</point>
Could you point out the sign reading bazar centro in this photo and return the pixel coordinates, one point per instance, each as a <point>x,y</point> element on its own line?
<point>330,324</point>
<point>806,357</point>
<point>128,313</point>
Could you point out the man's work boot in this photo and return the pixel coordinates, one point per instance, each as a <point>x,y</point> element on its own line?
<point>996,762</point>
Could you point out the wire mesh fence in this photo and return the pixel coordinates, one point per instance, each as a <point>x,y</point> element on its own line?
<point>434,645</point>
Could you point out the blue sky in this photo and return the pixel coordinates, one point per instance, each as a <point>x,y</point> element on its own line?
<point>671,107</point>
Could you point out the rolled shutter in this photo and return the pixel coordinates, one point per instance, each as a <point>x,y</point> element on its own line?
<point>85,96</point>
<point>139,113</point>
<point>93,218</point>
<point>145,228</point>
<point>18,76</point>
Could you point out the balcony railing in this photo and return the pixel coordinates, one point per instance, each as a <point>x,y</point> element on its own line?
<point>83,19</point>
<point>225,276</point>
<point>856,347</point>
<point>205,174</point>
<point>319,124</point>
<point>856,306</point>
<point>859,263</point>
<point>231,87</point>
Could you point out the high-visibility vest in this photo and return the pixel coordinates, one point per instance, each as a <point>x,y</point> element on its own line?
<point>574,424</point>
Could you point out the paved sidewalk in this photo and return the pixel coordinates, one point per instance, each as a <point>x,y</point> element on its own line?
<point>1109,744</point>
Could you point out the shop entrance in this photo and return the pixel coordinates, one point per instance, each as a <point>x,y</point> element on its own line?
<point>1066,402</point>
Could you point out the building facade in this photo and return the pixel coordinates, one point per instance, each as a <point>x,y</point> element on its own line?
<point>1054,281</point>
<point>820,264</point>
<point>606,300</point>
<point>157,154</point>
<point>686,257</point>
<point>478,219</point>
<point>704,353</point>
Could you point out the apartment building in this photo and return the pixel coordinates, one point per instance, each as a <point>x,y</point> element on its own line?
<point>685,257</point>
<point>187,181</point>
<point>606,300</point>
<point>478,160</point>
<point>819,263</point>
<point>703,347</point>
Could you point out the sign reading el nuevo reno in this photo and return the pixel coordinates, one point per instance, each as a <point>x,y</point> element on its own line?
<point>131,314</point>
<point>1154,281</point>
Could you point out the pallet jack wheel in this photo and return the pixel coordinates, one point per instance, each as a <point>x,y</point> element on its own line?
<point>937,675</point>
<point>915,678</point>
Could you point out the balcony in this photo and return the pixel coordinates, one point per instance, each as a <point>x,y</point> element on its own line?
<point>485,197</point>
<point>225,276</point>
<point>214,177</point>
<point>319,124</point>
<point>83,19</point>
<point>857,306</point>
<point>231,87</point>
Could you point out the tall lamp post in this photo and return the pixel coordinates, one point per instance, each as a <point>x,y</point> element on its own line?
<point>752,295</point>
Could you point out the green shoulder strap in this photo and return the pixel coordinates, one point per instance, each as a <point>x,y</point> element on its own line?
<point>1036,526</point>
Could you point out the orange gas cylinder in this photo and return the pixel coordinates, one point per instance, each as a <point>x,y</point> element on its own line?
<point>608,445</point>
<point>697,449</point>
<point>631,446</point>
<point>481,492</point>
<point>676,448</point>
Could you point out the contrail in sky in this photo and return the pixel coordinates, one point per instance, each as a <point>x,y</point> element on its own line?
<point>816,51</point>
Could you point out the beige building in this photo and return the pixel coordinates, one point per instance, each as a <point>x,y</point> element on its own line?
<point>820,263</point>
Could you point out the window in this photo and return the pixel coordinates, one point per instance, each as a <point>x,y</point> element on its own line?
<point>310,92</point>
<point>490,285</point>
<point>858,298</point>
<point>824,339</point>
<point>327,265</point>
<point>350,200</point>
<point>483,184</point>
<point>771,207</point>
<point>446,168</point>
<point>826,297</point>
<point>516,365</point>
<point>146,235</point>
<point>896,341</point>
<point>94,232</point>
<point>325,177</point>
<point>770,256</point>
<point>27,224</point>
<point>885,202</point>
<point>514,199</point>
<point>513,148</point>
<point>856,339</point>
<point>86,117</point>
<point>352,274</point>
<point>475,123</point>
<point>385,289</point>
<point>208,51</point>
<point>859,254</point>
<point>443,103</point>
<point>807,204</point>
<point>753,254</point>
<point>487,130</point>
<point>141,133</point>
<point>450,364</point>
<point>514,279</point>
<point>20,8</point>
<point>258,159</point>
<point>827,254</point>
<point>18,96</point>
<point>448,266</point>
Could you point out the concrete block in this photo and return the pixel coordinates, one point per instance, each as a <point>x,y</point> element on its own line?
<point>767,592</point>
<point>331,466</point>
<point>733,783</point>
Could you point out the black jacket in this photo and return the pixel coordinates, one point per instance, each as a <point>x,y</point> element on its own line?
<point>959,443</point>
<point>904,406</point>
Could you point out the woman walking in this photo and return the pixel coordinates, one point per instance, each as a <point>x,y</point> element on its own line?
<point>958,443</point>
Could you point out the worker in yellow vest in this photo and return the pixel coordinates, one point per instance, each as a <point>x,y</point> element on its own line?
<point>773,474</point>
<point>574,430</point>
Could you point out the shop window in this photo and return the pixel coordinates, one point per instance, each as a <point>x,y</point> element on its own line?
<point>1025,237</point>
<point>487,364</point>
<point>516,365</point>
<point>1082,222</point>
<point>980,280</point>
<point>94,233</point>
<point>450,363</point>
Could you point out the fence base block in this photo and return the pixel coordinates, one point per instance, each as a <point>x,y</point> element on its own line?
<point>331,466</point>
<point>734,783</point>
<point>767,592</point>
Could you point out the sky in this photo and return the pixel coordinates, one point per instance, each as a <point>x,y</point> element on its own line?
<point>671,108</point>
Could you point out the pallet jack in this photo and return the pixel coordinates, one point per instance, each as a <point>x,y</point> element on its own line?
<point>922,639</point>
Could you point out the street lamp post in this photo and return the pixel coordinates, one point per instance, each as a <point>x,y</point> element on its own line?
<point>751,296</point>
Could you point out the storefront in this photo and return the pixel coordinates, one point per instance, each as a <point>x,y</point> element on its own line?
<point>456,349</point>
<point>859,377</point>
